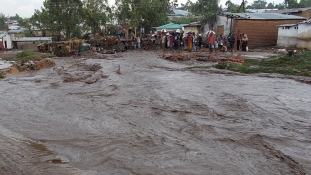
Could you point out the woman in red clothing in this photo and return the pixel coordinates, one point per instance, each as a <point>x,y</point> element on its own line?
<point>190,40</point>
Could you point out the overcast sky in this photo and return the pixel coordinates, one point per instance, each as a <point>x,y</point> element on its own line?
<point>25,8</point>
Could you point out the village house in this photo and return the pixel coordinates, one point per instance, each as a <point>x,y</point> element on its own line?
<point>193,27</point>
<point>5,41</point>
<point>261,28</point>
<point>36,32</point>
<point>16,33</point>
<point>30,43</point>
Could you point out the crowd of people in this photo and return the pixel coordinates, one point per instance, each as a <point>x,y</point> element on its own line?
<point>193,42</point>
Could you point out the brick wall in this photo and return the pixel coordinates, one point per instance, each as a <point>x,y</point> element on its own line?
<point>260,33</point>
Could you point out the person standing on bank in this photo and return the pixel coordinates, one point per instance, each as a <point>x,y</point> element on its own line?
<point>220,41</point>
<point>189,41</point>
<point>162,41</point>
<point>238,40</point>
<point>138,41</point>
<point>199,41</point>
<point>231,41</point>
<point>211,42</point>
<point>244,42</point>
<point>194,41</point>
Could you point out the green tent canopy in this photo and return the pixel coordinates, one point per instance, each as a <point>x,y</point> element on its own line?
<point>171,26</point>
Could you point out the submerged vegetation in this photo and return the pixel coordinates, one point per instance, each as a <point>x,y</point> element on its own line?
<point>299,65</point>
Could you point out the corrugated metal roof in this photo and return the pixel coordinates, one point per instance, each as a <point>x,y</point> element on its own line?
<point>259,10</point>
<point>15,31</point>
<point>193,24</point>
<point>171,26</point>
<point>180,12</point>
<point>288,25</point>
<point>29,39</point>
<point>264,16</point>
<point>2,35</point>
<point>295,10</point>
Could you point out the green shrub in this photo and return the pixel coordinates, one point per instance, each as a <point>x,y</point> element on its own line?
<point>1,75</point>
<point>24,54</point>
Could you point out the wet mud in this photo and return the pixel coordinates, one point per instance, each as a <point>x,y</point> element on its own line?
<point>135,113</point>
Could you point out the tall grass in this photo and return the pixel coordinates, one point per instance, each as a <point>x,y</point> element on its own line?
<point>299,65</point>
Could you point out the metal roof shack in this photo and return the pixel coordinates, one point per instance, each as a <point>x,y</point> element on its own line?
<point>32,39</point>
<point>263,16</point>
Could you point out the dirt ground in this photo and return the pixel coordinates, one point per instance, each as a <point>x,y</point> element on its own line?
<point>136,113</point>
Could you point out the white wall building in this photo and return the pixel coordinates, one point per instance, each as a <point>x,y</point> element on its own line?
<point>287,35</point>
<point>222,27</point>
<point>304,35</point>
<point>5,41</point>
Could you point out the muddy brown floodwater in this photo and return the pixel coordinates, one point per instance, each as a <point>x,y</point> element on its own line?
<point>134,113</point>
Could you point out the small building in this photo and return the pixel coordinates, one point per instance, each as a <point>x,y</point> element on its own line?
<point>30,43</point>
<point>287,35</point>
<point>5,41</point>
<point>16,33</point>
<point>262,28</point>
<point>222,25</point>
<point>193,27</point>
<point>304,35</point>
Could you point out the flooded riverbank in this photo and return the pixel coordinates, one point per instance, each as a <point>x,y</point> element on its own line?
<point>145,115</point>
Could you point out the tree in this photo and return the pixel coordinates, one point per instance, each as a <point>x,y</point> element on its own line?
<point>279,6</point>
<point>232,7</point>
<point>270,6</point>
<point>186,6</point>
<point>2,22</point>
<point>259,4</point>
<point>205,8</point>
<point>26,23</point>
<point>291,3</point>
<point>59,16</point>
<point>94,14</point>
<point>142,13</point>
<point>16,17</point>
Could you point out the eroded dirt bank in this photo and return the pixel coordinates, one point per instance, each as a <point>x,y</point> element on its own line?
<point>138,114</point>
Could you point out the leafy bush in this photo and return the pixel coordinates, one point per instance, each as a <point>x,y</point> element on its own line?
<point>1,75</point>
<point>24,54</point>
